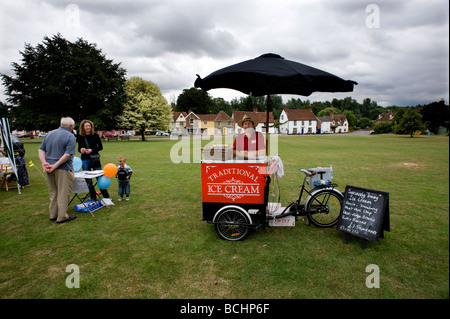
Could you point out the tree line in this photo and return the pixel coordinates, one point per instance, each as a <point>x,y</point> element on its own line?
<point>359,115</point>
<point>408,120</point>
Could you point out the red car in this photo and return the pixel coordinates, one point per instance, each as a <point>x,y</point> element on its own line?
<point>110,134</point>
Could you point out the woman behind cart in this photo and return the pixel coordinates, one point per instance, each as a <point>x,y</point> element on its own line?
<point>250,143</point>
<point>89,145</point>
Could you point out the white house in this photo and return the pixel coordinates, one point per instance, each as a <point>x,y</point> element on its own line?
<point>339,122</point>
<point>324,126</point>
<point>295,121</point>
<point>178,123</point>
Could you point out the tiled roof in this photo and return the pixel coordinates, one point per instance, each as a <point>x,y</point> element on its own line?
<point>300,115</point>
<point>207,117</point>
<point>338,119</point>
<point>177,114</point>
<point>222,116</point>
<point>260,117</point>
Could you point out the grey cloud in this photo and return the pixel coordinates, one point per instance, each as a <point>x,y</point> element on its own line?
<point>169,41</point>
<point>181,31</point>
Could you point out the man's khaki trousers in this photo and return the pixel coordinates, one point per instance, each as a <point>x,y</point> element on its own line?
<point>60,183</point>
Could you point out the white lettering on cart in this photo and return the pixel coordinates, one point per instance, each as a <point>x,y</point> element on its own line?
<point>241,189</point>
<point>235,172</point>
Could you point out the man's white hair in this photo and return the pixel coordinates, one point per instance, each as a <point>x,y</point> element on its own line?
<point>67,122</point>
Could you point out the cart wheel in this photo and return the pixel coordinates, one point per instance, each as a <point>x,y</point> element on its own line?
<point>229,225</point>
<point>324,208</point>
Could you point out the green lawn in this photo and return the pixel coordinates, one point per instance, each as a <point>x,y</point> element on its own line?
<point>157,246</point>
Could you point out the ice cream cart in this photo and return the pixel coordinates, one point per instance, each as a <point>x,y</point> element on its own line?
<point>234,196</point>
<point>236,193</point>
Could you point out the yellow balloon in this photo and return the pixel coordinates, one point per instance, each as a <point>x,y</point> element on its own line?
<point>110,170</point>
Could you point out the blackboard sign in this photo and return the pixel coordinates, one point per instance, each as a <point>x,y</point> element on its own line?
<point>364,213</point>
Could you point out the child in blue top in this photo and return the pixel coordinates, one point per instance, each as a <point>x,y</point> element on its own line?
<point>123,176</point>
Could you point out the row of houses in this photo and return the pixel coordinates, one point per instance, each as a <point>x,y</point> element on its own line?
<point>292,121</point>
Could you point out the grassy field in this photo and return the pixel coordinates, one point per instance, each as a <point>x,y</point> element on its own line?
<point>156,245</point>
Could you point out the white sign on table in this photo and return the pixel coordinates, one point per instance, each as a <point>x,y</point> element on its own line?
<point>79,182</point>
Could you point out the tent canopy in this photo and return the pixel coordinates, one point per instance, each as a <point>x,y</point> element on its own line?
<point>6,141</point>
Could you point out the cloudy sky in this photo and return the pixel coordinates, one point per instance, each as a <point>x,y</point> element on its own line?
<point>397,50</point>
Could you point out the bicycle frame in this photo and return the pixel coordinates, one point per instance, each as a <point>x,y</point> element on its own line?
<point>301,208</point>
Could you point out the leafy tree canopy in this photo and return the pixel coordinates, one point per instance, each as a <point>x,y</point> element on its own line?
<point>327,111</point>
<point>407,121</point>
<point>434,115</point>
<point>145,107</point>
<point>60,78</point>
<point>195,100</point>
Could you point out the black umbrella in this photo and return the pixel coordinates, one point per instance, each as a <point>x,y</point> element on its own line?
<point>272,74</point>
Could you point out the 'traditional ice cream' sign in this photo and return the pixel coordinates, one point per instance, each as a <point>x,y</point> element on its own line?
<point>233,183</point>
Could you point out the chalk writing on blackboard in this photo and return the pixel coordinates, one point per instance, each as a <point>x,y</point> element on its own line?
<point>364,213</point>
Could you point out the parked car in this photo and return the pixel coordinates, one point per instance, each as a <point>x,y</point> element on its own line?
<point>42,134</point>
<point>159,133</point>
<point>110,134</point>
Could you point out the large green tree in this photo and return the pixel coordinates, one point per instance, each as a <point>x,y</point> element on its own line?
<point>407,121</point>
<point>62,78</point>
<point>327,111</point>
<point>195,100</point>
<point>434,115</point>
<point>145,107</point>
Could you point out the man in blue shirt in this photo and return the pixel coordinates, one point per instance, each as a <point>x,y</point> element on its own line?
<point>56,155</point>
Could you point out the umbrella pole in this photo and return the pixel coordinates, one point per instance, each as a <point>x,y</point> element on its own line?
<point>267,124</point>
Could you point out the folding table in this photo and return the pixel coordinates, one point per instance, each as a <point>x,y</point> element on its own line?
<point>80,186</point>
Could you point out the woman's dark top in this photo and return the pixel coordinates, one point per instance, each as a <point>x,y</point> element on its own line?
<point>95,143</point>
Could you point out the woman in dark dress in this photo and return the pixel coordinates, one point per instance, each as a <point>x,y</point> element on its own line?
<point>89,145</point>
<point>22,172</point>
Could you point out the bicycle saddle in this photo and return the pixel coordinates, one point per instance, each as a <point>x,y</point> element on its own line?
<point>307,172</point>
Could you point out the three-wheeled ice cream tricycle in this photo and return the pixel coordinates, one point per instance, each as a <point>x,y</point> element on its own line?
<point>237,197</point>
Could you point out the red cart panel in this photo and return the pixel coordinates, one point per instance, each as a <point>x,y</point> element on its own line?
<point>238,183</point>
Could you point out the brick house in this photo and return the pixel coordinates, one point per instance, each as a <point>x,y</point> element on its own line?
<point>209,124</point>
<point>260,117</point>
<point>193,123</point>
<point>385,117</point>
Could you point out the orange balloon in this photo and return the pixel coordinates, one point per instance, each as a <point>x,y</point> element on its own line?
<point>110,170</point>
